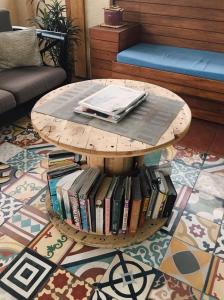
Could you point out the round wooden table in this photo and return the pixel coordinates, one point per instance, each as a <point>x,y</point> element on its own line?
<point>111,152</point>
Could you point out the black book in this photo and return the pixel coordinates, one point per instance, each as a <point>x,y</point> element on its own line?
<point>171,197</point>
<point>152,181</point>
<point>92,196</point>
<point>117,206</point>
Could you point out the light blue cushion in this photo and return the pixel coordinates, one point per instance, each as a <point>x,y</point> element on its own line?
<point>205,64</point>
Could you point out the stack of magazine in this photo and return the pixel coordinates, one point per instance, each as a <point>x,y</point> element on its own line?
<point>111,103</point>
<point>95,202</point>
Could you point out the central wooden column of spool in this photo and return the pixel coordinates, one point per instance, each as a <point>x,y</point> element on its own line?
<point>114,166</point>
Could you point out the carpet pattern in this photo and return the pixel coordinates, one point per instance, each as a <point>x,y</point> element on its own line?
<point>182,261</point>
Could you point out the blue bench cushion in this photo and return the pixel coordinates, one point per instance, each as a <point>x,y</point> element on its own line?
<point>205,64</point>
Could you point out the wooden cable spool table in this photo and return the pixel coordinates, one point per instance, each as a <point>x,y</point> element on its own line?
<point>110,152</point>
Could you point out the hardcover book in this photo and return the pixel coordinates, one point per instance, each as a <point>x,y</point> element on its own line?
<point>127,199</point>
<point>161,197</point>
<point>92,196</point>
<point>171,198</point>
<point>108,205</point>
<point>74,200</point>
<point>65,188</point>
<point>100,204</point>
<point>151,180</point>
<point>91,176</point>
<point>146,192</point>
<point>117,206</point>
<point>136,198</point>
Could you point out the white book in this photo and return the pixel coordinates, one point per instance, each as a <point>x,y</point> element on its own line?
<point>65,188</point>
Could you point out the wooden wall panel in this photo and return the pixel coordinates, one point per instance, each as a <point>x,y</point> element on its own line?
<point>195,24</point>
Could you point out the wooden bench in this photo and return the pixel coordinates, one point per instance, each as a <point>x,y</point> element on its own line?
<point>197,24</point>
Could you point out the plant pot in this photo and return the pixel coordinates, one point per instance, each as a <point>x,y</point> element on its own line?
<point>113,16</point>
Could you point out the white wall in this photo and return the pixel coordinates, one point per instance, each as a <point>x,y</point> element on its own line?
<point>94,11</point>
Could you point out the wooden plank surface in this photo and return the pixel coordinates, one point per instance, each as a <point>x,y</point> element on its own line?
<point>92,141</point>
<point>195,24</point>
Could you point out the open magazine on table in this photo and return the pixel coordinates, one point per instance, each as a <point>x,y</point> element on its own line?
<point>112,103</point>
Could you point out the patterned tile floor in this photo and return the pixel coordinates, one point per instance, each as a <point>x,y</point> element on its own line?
<point>184,260</point>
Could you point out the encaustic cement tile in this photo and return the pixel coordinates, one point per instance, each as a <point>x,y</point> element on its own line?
<point>25,160</point>
<point>51,244</point>
<point>9,249</point>
<point>99,295</point>
<point>88,263</point>
<point>24,225</point>
<point>189,156</point>
<point>197,232</point>
<point>8,175</point>
<point>38,201</point>
<point>211,184</point>
<point>25,188</point>
<point>39,171</point>
<point>214,164</point>
<point>24,122</point>
<point>183,174</point>
<point>8,207</point>
<point>8,150</point>
<point>127,278</point>
<point>219,248</point>
<point>63,285</point>
<point>42,149</point>
<point>215,285</point>
<point>26,274</point>
<point>8,133</point>
<point>166,287</point>
<point>206,206</point>
<point>186,263</point>
<point>152,250</point>
<point>207,297</point>
<point>26,138</point>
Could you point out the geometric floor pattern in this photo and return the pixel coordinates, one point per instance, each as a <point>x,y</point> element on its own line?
<point>182,261</point>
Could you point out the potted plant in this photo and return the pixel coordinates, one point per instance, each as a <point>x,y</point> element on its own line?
<point>113,16</point>
<point>52,16</point>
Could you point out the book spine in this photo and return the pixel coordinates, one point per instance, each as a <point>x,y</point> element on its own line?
<point>60,201</point>
<point>156,209</point>
<point>151,205</point>
<point>135,211</point>
<point>107,215</point>
<point>55,204</point>
<point>67,204</point>
<point>99,220</point>
<point>125,216</point>
<point>84,217</point>
<point>115,217</point>
<point>89,215</point>
<point>169,206</point>
<point>144,211</point>
<point>76,211</point>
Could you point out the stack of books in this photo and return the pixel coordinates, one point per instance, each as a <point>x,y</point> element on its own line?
<point>59,158</point>
<point>96,203</point>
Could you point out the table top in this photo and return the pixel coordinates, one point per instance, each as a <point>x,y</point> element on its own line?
<point>87,140</point>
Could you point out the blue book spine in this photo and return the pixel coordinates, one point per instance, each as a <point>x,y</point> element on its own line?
<point>84,217</point>
<point>55,204</point>
<point>52,185</point>
<point>54,200</point>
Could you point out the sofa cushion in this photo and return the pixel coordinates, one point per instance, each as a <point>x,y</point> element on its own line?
<point>29,82</point>
<point>19,48</point>
<point>7,101</point>
<point>205,64</point>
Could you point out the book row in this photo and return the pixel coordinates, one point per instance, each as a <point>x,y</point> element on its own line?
<point>95,202</point>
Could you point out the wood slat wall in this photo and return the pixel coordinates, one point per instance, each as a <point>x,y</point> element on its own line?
<point>197,24</point>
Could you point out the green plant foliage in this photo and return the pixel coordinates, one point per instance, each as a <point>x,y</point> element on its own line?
<point>52,16</point>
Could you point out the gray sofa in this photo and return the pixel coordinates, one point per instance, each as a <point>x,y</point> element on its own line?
<point>20,85</point>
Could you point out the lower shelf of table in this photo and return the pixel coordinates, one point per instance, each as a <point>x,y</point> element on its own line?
<point>104,241</point>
